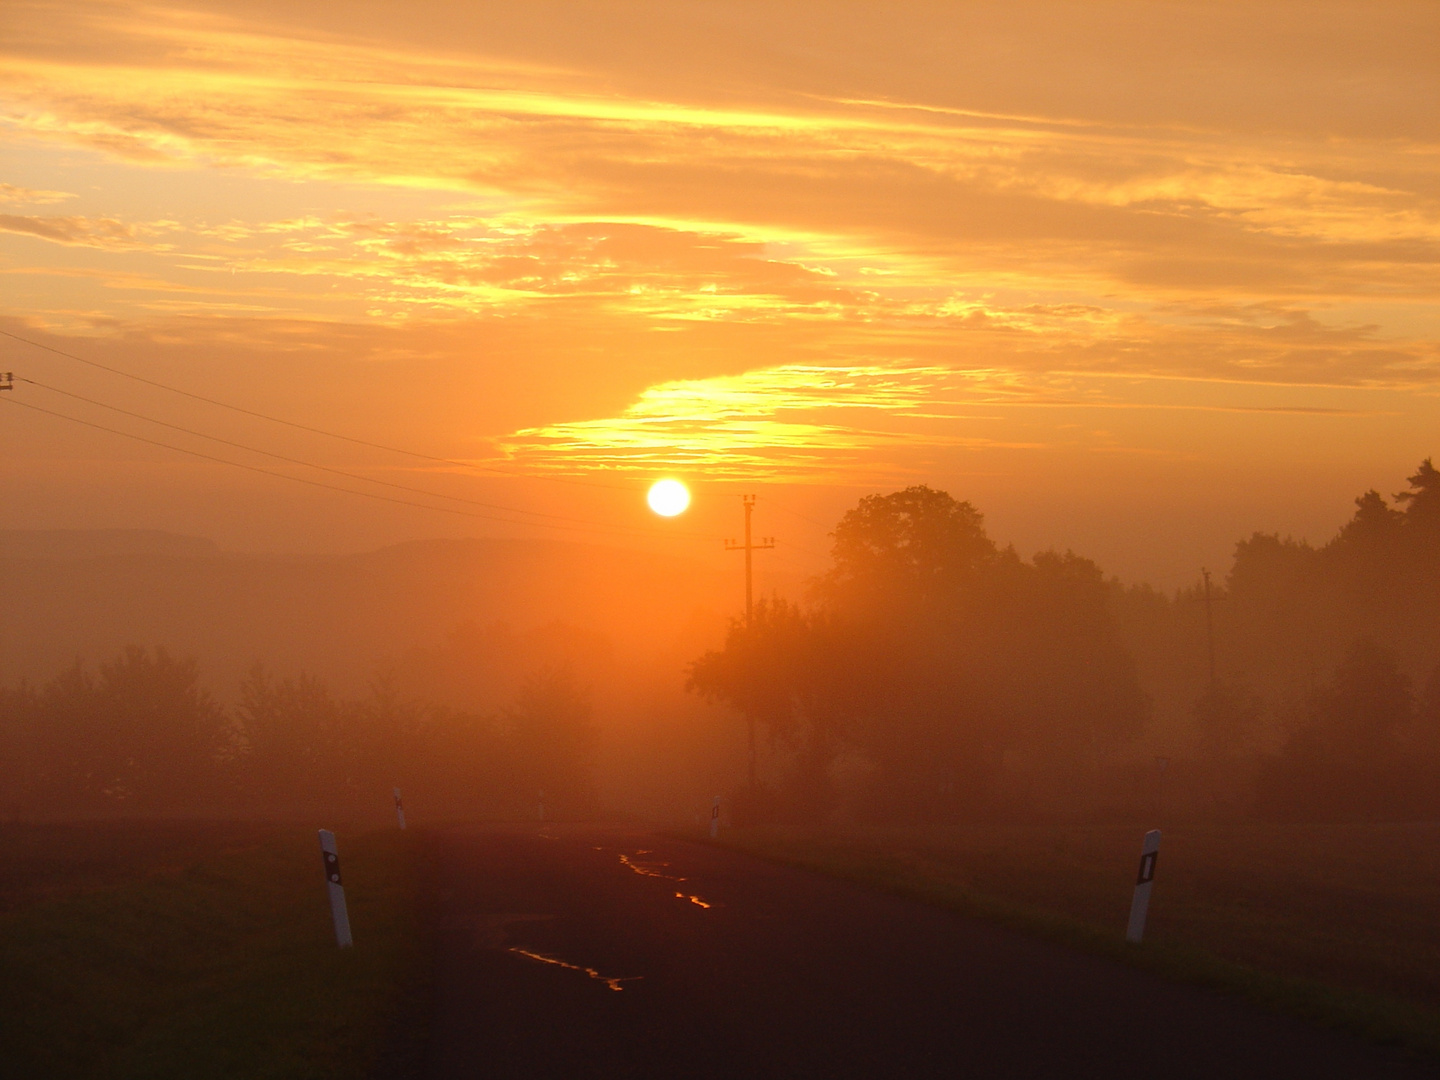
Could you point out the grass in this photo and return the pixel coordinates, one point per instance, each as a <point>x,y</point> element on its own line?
<point>1339,924</point>
<point>52,861</point>
<point>226,967</point>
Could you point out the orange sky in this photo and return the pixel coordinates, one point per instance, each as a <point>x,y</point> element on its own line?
<point>1136,279</point>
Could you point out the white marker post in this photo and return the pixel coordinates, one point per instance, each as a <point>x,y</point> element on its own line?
<point>715,818</point>
<point>1140,905</point>
<point>337,890</point>
<point>399,810</point>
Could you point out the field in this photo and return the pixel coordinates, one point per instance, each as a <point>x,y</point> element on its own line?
<point>181,950</point>
<point>1337,923</point>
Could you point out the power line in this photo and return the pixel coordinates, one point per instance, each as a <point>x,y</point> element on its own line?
<point>420,455</point>
<point>300,479</point>
<point>291,423</point>
<point>323,468</point>
<point>796,513</point>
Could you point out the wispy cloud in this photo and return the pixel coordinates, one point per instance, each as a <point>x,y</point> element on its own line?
<point>13,193</point>
<point>818,266</point>
<point>79,231</point>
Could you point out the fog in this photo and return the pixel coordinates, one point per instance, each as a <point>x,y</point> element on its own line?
<point>931,674</point>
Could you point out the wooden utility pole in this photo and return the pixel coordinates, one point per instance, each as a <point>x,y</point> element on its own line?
<point>1209,626</point>
<point>750,547</point>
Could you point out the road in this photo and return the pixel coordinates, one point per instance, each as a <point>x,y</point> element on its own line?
<point>585,951</point>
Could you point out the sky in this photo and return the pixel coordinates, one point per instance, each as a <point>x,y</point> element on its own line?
<point>1136,279</point>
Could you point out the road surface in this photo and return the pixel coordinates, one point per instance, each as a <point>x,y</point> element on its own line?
<point>587,951</point>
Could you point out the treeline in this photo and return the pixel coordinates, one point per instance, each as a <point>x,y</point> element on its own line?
<point>141,735</point>
<point>1327,704</point>
<point>933,675</point>
<point>930,675</point>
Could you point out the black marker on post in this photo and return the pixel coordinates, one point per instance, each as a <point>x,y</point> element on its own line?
<point>1140,904</point>
<point>399,810</point>
<point>715,817</point>
<point>337,890</point>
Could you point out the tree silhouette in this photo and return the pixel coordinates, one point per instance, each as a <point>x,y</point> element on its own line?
<point>932,654</point>
<point>1422,510</point>
<point>555,740</point>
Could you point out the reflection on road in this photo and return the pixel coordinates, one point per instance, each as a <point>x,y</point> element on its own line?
<point>650,869</point>
<point>612,983</point>
<point>647,869</point>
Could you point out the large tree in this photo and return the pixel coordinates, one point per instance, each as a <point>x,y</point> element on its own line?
<point>933,653</point>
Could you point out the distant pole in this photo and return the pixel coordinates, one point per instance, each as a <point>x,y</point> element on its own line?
<point>333,885</point>
<point>1209,625</point>
<point>7,380</point>
<point>750,547</point>
<point>1140,903</point>
<point>715,818</point>
<point>399,810</point>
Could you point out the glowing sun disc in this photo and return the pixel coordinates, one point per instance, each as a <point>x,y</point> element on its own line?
<point>668,497</point>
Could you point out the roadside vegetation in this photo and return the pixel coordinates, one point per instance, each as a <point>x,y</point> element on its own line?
<point>1334,923</point>
<point>933,676</point>
<point>186,964</point>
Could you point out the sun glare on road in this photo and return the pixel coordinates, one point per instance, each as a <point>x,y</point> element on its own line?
<point>668,497</point>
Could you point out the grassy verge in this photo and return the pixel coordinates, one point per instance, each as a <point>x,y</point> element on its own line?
<point>227,968</point>
<point>1301,923</point>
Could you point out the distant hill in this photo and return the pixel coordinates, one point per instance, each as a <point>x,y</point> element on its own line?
<point>66,595</point>
<point>97,543</point>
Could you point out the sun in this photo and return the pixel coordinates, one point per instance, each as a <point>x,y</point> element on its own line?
<point>668,497</point>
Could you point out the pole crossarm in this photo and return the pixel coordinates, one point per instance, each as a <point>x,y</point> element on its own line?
<point>7,380</point>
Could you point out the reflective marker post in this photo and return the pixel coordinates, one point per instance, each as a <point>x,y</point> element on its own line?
<point>399,810</point>
<point>336,889</point>
<point>715,818</point>
<point>1140,905</point>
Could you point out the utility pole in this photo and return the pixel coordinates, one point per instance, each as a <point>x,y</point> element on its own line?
<point>1209,625</point>
<point>750,547</point>
<point>1209,599</point>
<point>7,380</point>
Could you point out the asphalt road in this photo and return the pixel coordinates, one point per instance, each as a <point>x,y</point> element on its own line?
<point>575,952</point>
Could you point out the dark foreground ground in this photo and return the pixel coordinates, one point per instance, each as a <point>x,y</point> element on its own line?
<point>594,952</point>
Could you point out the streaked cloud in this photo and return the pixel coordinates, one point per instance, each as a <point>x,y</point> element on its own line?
<point>75,230</point>
<point>752,241</point>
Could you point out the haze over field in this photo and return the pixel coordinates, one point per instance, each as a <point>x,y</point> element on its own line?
<point>349,341</point>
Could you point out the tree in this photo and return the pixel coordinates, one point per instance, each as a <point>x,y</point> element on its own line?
<point>932,654</point>
<point>1375,524</point>
<point>555,740</point>
<point>143,735</point>
<point>293,752</point>
<point>784,668</point>
<point>1363,710</point>
<point>1422,510</point>
<point>917,545</point>
<point>1346,756</point>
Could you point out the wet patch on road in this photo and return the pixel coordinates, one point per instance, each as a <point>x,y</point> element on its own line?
<point>654,869</point>
<point>648,869</point>
<point>611,982</point>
